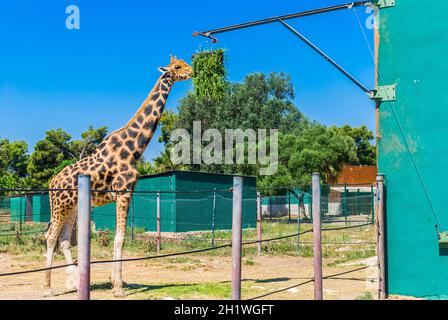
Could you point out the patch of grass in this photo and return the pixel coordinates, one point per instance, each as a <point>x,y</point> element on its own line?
<point>249,262</point>
<point>354,254</point>
<point>365,296</point>
<point>208,290</point>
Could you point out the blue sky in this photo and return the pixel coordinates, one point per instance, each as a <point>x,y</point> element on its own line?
<point>51,77</point>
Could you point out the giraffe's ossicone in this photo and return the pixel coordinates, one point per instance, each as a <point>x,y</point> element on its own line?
<point>112,169</point>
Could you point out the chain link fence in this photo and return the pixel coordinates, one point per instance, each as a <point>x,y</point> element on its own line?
<point>338,203</point>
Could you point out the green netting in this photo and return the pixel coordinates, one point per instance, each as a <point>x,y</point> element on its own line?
<point>336,202</point>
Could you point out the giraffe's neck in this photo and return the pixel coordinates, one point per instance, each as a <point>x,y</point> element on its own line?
<point>137,133</point>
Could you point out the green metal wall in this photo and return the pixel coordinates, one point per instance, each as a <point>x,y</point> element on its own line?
<point>413,49</point>
<point>195,211</point>
<point>143,207</point>
<point>41,208</point>
<point>17,208</point>
<point>183,212</point>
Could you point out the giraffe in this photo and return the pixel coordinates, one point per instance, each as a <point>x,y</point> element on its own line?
<point>111,167</point>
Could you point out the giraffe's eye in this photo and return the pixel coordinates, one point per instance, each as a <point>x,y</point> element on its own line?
<point>177,67</point>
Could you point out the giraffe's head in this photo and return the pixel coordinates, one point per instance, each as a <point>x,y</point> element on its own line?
<point>178,69</point>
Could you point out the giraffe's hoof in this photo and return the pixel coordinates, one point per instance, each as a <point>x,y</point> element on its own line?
<point>71,287</point>
<point>48,293</point>
<point>119,293</point>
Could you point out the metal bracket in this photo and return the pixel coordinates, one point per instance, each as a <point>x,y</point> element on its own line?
<point>384,93</point>
<point>385,3</point>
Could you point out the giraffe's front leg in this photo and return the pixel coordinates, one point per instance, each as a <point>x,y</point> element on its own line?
<point>122,214</point>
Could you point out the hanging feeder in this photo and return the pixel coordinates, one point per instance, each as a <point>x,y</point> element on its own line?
<point>209,71</point>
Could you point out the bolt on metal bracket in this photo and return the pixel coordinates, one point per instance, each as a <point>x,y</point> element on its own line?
<point>384,93</point>
<point>385,3</point>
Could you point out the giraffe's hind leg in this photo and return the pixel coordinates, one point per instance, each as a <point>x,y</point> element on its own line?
<point>122,213</point>
<point>52,236</point>
<point>65,244</point>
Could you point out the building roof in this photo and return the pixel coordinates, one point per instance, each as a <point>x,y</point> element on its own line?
<point>357,175</point>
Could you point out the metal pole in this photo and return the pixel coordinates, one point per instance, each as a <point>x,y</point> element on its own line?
<point>20,215</point>
<point>84,202</point>
<point>325,56</point>
<point>159,237</point>
<point>132,219</point>
<point>350,5</point>
<point>298,230</point>
<point>237,237</point>
<point>259,217</point>
<point>345,207</point>
<point>289,205</point>
<point>382,293</point>
<point>372,204</point>
<point>318,292</point>
<point>213,218</point>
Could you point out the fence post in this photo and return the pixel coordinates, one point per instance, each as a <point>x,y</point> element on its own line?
<point>259,217</point>
<point>237,236</point>
<point>213,218</point>
<point>289,205</point>
<point>84,203</point>
<point>382,293</point>
<point>132,219</point>
<point>20,215</point>
<point>158,236</point>
<point>318,292</point>
<point>298,228</point>
<point>345,207</point>
<point>373,204</point>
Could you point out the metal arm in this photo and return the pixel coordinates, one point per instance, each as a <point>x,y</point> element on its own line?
<point>326,57</point>
<point>281,19</point>
<point>209,33</point>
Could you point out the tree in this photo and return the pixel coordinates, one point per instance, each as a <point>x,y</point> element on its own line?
<point>57,150</point>
<point>266,102</point>
<point>365,150</point>
<point>90,141</point>
<point>145,168</point>
<point>260,102</point>
<point>13,162</point>
<point>13,157</point>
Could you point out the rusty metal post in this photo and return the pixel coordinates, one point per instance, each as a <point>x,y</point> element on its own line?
<point>298,228</point>
<point>259,221</point>
<point>213,218</point>
<point>84,206</point>
<point>317,239</point>
<point>159,235</point>
<point>237,236</point>
<point>382,293</point>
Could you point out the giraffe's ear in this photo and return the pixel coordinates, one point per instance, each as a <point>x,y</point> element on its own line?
<point>162,69</point>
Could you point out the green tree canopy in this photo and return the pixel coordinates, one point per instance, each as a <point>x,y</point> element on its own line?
<point>266,102</point>
<point>13,157</point>
<point>57,150</point>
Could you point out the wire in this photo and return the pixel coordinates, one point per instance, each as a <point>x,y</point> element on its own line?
<point>330,277</point>
<point>151,257</point>
<point>36,270</point>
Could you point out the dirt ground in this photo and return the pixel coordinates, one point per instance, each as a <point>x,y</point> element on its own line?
<point>200,277</point>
